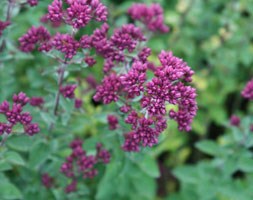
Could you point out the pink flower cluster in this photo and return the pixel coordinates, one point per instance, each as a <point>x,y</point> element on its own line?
<point>145,131</point>
<point>35,36</point>
<point>77,13</point>
<point>16,115</point>
<point>151,16</point>
<point>168,86</point>
<point>113,49</point>
<point>66,44</point>
<point>40,36</point>
<point>36,101</point>
<point>3,25</point>
<point>235,120</point>
<point>32,2</point>
<point>125,67</point>
<point>68,91</point>
<point>248,90</point>
<point>79,164</point>
<point>47,180</point>
<point>113,122</point>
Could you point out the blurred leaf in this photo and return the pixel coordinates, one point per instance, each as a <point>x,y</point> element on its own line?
<point>9,191</point>
<point>209,147</point>
<point>4,166</point>
<point>14,158</point>
<point>246,164</point>
<point>20,143</point>
<point>149,166</point>
<point>38,154</point>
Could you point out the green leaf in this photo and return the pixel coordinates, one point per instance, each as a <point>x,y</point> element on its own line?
<point>4,166</point>
<point>8,191</point>
<point>144,185</point>
<point>47,118</point>
<point>38,154</point>
<point>209,147</point>
<point>14,158</point>
<point>246,164</point>
<point>19,143</point>
<point>149,166</point>
<point>186,174</point>
<point>106,191</point>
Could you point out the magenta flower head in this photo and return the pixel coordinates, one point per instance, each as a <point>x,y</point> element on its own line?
<point>55,11</point>
<point>247,92</point>
<point>170,85</point>
<point>35,36</point>
<point>20,98</point>
<point>3,26</point>
<point>72,187</point>
<point>91,81</point>
<point>78,103</point>
<point>152,16</point>
<point>251,127</point>
<point>68,91</point>
<point>15,115</point>
<point>107,92</point>
<point>145,131</point>
<point>103,155</point>
<point>126,37</point>
<point>133,81</point>
<point>32,2</point>
<point>47,180</point>
<point>235,120</point>
<point>79,165</point>
<point>112,121</point>
<point>78,13</point>
<point>90,61</point>
<point>66,44</point>
<point>36,101</point>
<point>100,11</point>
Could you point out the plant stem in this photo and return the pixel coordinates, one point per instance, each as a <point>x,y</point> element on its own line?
<point>8,18</point>
<point>9,9</point>
<point>61,71</point>
<point>4,138</point>
<point>60,81</point>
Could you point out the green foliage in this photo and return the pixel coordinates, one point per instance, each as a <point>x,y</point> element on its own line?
<point>216,178</point>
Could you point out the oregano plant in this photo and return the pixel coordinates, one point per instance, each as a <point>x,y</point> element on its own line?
<point>80,132</point>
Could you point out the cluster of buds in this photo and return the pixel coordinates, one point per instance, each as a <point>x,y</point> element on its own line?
<point>68,91</point>
<point>32,2</point>
<point>15,115</point>
<point>168,86</point>
<point>247,92</point>
<point>113,122</point>
<point>77,13</point>
<point>3,25</point>
<point>126,79</point>
<point>79,164</point>
<point>151,16</point>
<point>36,101</point>
<point>47,180</point>
<point>125,66</point>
